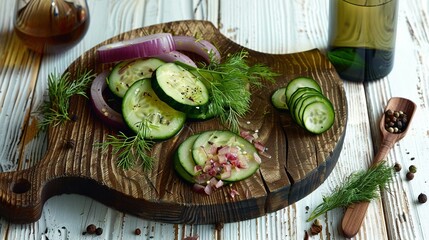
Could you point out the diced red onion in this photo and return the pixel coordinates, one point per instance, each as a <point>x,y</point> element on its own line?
<point>233,193</point>
<point>142,47</point>
<point>201,47</point>
<point>102,109</point>
<point>176,56</point>
<point>198,188</point>
<point>219,184</point>
<point>208,189</point>
<point>259,146</point>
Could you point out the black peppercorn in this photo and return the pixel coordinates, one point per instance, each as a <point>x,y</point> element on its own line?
<point>91,228</point>
<point>99,231</point>
<point>410,175</point>
<point>137,231</point>
<point>397,167</point>
<point>412,169</point>
<point>395,121</point>
<point>422,198</point>
<point>70,144</point>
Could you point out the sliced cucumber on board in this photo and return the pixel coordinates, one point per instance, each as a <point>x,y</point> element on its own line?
<point>141,104</point>
<point>220,154</point>
<point>183,160</point>
<point>278,99</point>
<point>308,107</point>
<point>125,73</point>
<point>208,147</point>
<point>181,89</point>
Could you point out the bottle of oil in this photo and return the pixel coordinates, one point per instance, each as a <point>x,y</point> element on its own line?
<point>48,26</point>
<point>362,37</point>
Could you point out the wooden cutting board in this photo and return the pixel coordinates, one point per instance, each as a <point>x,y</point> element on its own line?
<point>298,163</point>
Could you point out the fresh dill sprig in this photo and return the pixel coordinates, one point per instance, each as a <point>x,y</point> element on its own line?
<point>229,83</point>
<point>131,149</point>
<point>362,186</point>
<point>55,110</point>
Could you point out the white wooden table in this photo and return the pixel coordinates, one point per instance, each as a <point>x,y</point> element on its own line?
<point>273,26</point>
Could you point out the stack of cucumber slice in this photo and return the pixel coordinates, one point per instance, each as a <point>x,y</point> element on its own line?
<point>308,107</point>
<point>218,154</point>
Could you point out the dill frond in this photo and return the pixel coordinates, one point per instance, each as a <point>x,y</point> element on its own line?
<point>61,88</point>
<point>131,150</point>
<point>362,186</point>
<point>230,83</point>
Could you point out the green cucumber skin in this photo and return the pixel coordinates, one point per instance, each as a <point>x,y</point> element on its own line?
<point>300,82</point>
<point>125,73</point>
<point>140,103</point>
<point>278,99</point>
<point>181,89</point>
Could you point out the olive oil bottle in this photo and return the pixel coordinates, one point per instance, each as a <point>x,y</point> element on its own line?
<point>362,37</point>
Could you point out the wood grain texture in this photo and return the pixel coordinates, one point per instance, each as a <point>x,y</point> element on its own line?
<point>275,27</point>
<point>298,164</point>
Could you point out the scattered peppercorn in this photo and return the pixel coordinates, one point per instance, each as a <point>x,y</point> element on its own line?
<point>99,231</point>
<point>91,228</point>
<point>316,227</point>
<point>137,231</point>
<point>395,121</point>
<point>422,198</point>
<point>397,167</point>
<point>70,144</point>
<point>410,175</point>
<point>412,169</point>
<point>74,118</point>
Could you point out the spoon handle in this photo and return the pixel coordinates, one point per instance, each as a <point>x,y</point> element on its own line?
<point>355,213</point>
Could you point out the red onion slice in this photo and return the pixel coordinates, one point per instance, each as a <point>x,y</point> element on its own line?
<point>102,109</point>
<point>201,47</point>
<point>142,47</point>
<point>176,56</point>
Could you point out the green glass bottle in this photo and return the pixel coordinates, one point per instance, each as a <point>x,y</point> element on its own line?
<point>362,36</point>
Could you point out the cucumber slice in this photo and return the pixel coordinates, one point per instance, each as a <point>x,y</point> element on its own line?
<point>301,82</point>
<point>140,104</point>
<point>240,156</point>
<point>203,114</point>
<point>183,160</point>
<point>318,117</point>
<point>308,107</point>
<point>125,73</point>
<point>181,89</point>
<point>278,99</point>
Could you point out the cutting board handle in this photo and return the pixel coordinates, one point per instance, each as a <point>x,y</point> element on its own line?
<point>21,195</point>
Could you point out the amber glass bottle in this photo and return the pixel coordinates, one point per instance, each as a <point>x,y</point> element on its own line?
<point>362,37</point>
<point>51,25</point>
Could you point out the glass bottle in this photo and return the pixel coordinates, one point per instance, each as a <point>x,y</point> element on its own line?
<point>362,37</point>
<point>48,26</point>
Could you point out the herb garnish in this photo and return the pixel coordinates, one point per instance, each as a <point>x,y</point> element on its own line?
<point>130,149</point>
<point>229,84</point>
<point>55,110</point>
<point>362,186</point>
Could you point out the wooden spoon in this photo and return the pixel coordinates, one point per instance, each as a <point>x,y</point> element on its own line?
<point>355,213</point>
